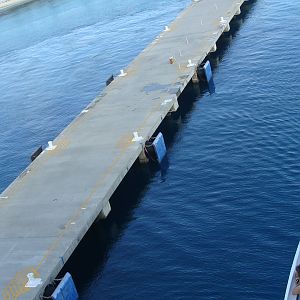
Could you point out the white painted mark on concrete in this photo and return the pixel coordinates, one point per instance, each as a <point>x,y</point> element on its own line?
<point>136,137</point>
<point>3,197</point>
<point>165,102</point>
<point>122,73</point>
<point>50,146</point>
<point>83,208</point>
<point>72,223</point>
<point>32,282</point>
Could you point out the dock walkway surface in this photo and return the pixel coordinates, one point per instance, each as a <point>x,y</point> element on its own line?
<point>47,210</point>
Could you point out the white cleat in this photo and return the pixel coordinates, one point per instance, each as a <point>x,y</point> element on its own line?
<point>190,64</point>
<point>122,73</point>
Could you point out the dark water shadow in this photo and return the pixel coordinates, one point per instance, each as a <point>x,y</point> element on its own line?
<point>88,260</point>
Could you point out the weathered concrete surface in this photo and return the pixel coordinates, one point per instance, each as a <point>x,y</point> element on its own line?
<point>6,5</point>
<point>46,211</point>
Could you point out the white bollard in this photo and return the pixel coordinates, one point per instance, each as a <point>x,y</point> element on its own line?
<point>32,281</point>
<point>136,137</point>
<point>50,146</point>
<point>190,64</point>
<point>122,73</point>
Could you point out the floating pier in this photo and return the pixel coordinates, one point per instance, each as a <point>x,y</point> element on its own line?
<point>47,210</point>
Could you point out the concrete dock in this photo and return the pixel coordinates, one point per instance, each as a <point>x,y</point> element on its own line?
<point>47,210</point>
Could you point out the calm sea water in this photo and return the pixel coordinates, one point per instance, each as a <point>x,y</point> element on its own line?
<point>222,222</point>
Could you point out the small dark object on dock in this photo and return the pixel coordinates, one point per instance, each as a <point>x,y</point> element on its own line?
<point>171,60</point>
<point>110,80</point>
<point>36,153</point>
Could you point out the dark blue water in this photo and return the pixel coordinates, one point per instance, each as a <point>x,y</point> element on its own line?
<point>222,221</point>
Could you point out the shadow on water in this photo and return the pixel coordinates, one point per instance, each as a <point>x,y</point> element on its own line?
<point>88,260</point>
